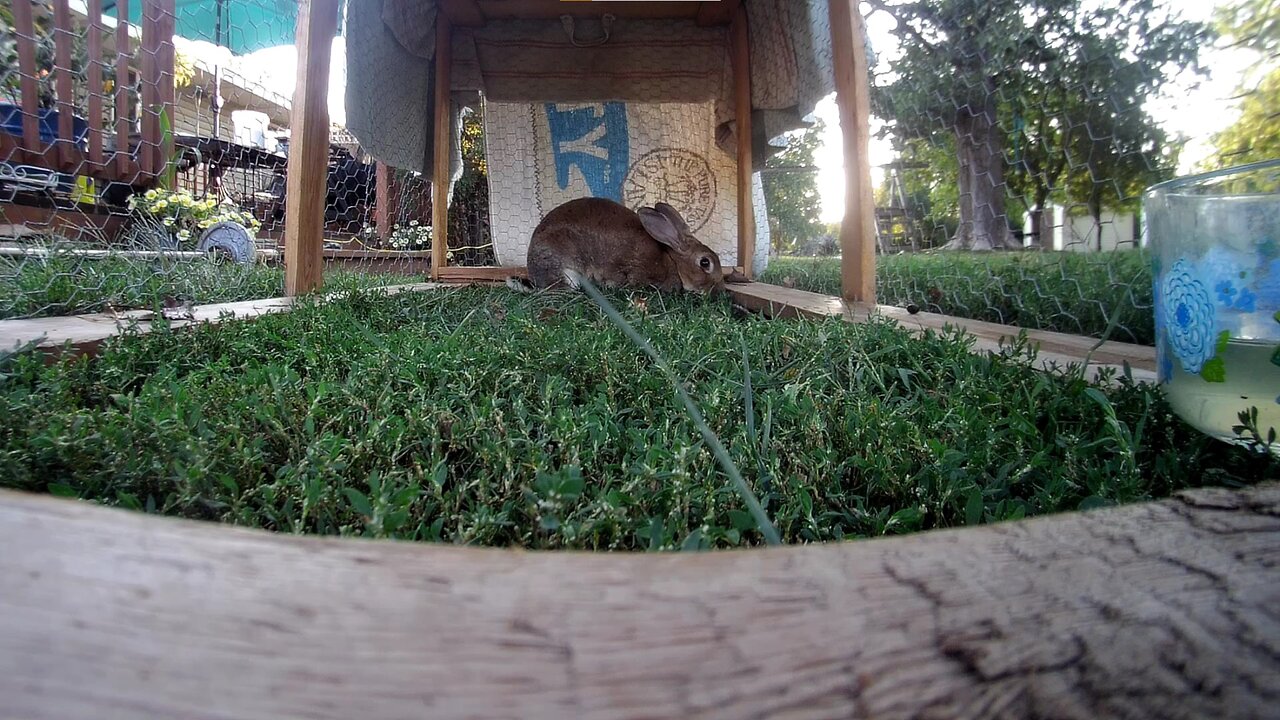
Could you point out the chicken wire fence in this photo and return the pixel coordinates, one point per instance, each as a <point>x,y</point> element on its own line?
<point>1019,136</point>
<point>109,202</point>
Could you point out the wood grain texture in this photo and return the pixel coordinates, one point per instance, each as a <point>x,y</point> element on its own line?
<point>93,78</point>
<point>24,24</point>
<point>852,80</point>
<point>1055,349</point>
<point>149,90</point>
<point>440,160</point>
<point>480,274</point>
<point>309,148</point>
<point>1160,610</point>
<point>384,211</point>
<point>166,93</point>
<point>63,37</point>
<point>124,161</point>
<point>741,41</point>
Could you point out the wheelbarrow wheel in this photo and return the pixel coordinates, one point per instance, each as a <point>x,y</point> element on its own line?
<point>228,241</point>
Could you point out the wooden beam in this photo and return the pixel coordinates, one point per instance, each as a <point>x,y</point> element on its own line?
<point>858,230</point>
<point>124,160</point>
<point>1154,610</point>
<point>384,197</point>
<point>717,12</point>
<point>24,22</point>
<point>63,37</point>
<point>741,41</point>
<point>84,334</point>
<point>462,13</point>
<point>70,222</point>
<point>480,274</point>
<point>440,157</point>
<point>166,95</point>
<point>149,145</point>
<point>1056,350</point>
<point>94,79</point>
<point>309,148</point>
<point>550,9</point>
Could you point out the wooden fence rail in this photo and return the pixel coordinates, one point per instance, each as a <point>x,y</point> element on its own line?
<point>75,144</point>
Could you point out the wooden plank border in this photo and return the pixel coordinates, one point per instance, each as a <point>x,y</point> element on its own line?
<point>1055,349</point>
<point>1154,610</point>
<point>84,334</point>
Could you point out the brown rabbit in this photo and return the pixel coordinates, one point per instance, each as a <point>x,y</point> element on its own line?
<point>613,246</point>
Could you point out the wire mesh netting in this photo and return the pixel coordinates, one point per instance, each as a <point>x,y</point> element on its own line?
<point>1014,141</point>
<point>132,153</point>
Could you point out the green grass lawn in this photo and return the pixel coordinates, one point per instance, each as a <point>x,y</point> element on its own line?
<point>68,285</point>
<point>486,417</point>
<point>1077,293</point>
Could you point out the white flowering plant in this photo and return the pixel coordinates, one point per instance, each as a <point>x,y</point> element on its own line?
<point>413,236</point>
<point>186,217</point>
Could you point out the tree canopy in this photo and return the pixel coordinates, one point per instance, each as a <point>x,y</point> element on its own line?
<point>1255,25</point>
<point>791,191</point>
<point>1037,96</point>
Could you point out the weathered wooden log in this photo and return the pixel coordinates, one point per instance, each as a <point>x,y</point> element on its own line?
<point>1165,610</point>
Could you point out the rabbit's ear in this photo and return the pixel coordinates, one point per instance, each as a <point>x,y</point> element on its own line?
<point>660,227</point>
<point>673,215</point>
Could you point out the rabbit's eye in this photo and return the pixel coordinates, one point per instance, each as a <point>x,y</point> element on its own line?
<point>705,264</point>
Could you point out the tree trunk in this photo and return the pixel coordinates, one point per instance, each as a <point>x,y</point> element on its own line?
<point>1095,211</point>
<point>1159,610</point>
<point>980,156</point>
<point>1037,215</point>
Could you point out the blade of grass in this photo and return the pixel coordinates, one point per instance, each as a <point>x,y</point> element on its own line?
<point>708,435</point>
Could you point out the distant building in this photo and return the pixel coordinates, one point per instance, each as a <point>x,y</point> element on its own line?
<point>1075,231</point>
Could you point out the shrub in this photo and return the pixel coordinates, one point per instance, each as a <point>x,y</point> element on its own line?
<point>184,217</point>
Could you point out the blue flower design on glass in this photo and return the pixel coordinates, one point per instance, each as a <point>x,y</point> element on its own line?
<point>1189,317</point>
<point>1247,301</point>
<point>1226,291</point>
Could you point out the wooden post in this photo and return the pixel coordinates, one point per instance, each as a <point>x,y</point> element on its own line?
<point>63,37</point>
<point>741,40</point>
<point>440,158</point>
<point>857,231</point>
<point>166,58</point>
<point>25,24</point>
<point>94,79</point>
<point>124,159</point>
<point>384,209</point>
<point>309,148</point>
<point>148,148</point>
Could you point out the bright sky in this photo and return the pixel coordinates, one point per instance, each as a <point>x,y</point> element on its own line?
<point>1194,111</point>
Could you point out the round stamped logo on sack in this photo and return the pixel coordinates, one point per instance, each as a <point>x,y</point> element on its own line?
<point>681,178</point>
